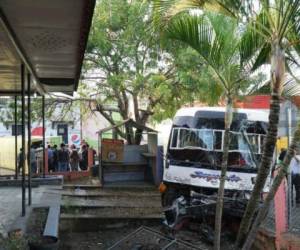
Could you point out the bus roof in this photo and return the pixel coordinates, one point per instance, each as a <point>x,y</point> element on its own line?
<point>252,114</point>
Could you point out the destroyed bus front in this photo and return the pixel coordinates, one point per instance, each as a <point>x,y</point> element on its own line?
<point>195,150</point>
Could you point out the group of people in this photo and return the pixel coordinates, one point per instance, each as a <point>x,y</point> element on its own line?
<point>67,159</point>
<point>59,160</point>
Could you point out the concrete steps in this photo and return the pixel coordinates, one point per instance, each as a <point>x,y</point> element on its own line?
<point>94,223</point>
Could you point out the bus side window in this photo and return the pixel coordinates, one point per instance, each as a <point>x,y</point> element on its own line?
<point>174,138</point>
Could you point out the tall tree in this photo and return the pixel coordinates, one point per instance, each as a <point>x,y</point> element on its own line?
<point>273,37</point>
<point>283,172</point>
<point>217,42</point>
<point>131,74</point>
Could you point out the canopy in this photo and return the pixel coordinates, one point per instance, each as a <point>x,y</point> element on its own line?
<point>49,37</point>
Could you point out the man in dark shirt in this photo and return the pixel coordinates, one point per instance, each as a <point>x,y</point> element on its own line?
<point>55,158</point>
<point>63,158</point>
<point>84,158</point>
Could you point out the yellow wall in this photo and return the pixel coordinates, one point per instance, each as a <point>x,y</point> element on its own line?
<point>7,151</point>
<point>281,143</point>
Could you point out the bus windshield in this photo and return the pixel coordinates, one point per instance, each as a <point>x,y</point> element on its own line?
<point>198,140</point>
<point>212,140</point>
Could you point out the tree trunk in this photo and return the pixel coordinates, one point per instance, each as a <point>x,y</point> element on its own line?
<point>129,134</point>
<point>138,136</point>
<point>277,74</point>
<point>219,204</point>
<point>283,171</point>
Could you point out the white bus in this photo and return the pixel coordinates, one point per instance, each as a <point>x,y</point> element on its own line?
<point>194,156</point>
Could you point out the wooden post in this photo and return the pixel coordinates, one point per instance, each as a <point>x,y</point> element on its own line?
<point>90,158</point>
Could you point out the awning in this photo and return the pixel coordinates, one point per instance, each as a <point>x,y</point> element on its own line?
<point>49,37</point>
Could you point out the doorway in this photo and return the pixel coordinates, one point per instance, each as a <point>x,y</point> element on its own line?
<point>62,130</point>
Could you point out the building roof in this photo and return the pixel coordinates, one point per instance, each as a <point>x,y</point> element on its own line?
<point>49,37</point>
<point>128,121</point>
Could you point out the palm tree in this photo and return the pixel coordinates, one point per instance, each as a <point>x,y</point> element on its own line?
<point>263,211</point>
<point>272,37</point>
<point>291,87</point>
<point>217,41</point>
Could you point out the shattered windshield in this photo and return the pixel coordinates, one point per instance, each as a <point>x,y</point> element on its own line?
<point>212,140</point>
<point>202,141</point>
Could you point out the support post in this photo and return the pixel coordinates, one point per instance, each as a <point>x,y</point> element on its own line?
<point>16,139</point>
<point>44,139</point>
<point>90,158</point>
<point>289,176</point>
<point>29,136</point>
<point>101,179</point>
<point>23,140</point>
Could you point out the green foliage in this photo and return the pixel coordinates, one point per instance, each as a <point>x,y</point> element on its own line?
<point>132,65</point>
<point>14,242</point>
<point>7,114</point>
<point>66,108</point>
<point>217,41</point>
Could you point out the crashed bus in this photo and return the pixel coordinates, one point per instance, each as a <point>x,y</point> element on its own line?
<point>193,162</point>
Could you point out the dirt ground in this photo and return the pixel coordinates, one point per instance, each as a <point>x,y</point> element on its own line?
<point>106,238</point>
<point>35,227</point>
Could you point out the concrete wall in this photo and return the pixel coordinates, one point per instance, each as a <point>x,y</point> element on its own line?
<point>132,153</point>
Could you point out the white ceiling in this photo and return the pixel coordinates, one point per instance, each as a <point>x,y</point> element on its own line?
<point>52,35</point>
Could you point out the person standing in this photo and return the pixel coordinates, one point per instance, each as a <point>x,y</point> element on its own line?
<point>63,158</point>
<point>84,158</point>
<point>50,159</point>
<point>33,162</point>
<point>282,155</point>
<point>74,158</point>
<point>295,170</point>
<point>20,160</point>
<point>55,158</point>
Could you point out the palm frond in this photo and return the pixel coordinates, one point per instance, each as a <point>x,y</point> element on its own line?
<point>288,12</point>
<point>291,87</point>
<point>255,38</point>
<point>164,10</point>
<point>199,33</point>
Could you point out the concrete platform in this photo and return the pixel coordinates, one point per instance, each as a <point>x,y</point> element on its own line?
<point>11,206</point>
<point>48,180</point>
